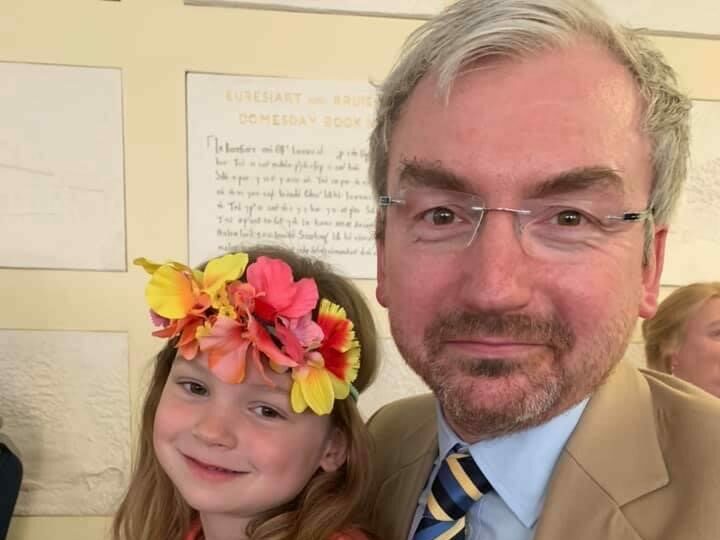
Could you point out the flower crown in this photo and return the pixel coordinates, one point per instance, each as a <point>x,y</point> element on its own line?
<point>268,315</point>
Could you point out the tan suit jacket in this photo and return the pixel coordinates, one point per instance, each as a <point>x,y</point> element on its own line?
<point>642,464</point>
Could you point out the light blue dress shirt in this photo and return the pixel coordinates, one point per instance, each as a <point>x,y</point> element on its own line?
<point>518,466</point>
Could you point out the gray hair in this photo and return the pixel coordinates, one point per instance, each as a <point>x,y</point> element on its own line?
<point>470,31</point>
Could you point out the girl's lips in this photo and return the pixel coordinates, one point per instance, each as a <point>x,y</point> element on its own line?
<point>210,472</point>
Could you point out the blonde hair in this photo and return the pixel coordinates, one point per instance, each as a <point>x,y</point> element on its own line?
<point>470,31</point>
<point>153,508</point>
<point>665,332</point>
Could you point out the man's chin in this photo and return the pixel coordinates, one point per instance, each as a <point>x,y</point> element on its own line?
<point>482,406</point>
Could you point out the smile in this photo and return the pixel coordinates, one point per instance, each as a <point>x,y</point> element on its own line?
<point>209,471</point>
<point>493,347</point>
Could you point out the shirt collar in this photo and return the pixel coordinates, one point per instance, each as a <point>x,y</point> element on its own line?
<point>519,465</point>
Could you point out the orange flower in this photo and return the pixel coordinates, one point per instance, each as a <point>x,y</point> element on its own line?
<point>229,343</point>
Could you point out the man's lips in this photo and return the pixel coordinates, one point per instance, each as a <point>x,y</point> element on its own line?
<point>493,346</point>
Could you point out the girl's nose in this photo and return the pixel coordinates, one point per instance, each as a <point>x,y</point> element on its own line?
<point>214,429</point>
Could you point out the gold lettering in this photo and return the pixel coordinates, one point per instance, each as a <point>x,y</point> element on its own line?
<point>353,101</point>
<point>263,96</point>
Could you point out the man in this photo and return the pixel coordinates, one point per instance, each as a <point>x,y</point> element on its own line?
<point>527,158</point>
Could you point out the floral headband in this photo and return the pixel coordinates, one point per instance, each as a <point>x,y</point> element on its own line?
<point>268,314</point>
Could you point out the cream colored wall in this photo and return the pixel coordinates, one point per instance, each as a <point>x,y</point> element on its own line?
<point>155,42</point>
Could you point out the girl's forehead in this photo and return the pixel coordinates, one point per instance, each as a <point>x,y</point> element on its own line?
<point>256,380</point>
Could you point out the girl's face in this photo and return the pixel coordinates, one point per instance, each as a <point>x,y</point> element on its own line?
<point>236,450</point>
<point>698,358</point>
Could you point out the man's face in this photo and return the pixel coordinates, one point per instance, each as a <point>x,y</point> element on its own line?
<point>698,358</point>
<point>517,327</point>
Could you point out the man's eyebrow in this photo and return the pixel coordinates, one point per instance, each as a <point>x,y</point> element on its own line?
<point>418,173</point>
<point>579,179</point>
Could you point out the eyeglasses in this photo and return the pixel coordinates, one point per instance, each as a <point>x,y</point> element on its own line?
<point>443,220</point>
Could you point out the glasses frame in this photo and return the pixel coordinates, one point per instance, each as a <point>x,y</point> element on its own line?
<point>386,201</point>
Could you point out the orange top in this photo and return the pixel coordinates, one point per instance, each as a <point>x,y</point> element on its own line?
<point>195,533</point>
<point>350,534</point>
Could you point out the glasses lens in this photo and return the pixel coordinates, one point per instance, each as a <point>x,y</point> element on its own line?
<point>565,232</point>
<point>437,219</point>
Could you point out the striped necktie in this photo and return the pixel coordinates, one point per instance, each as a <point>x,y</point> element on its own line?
<point>458,484</point>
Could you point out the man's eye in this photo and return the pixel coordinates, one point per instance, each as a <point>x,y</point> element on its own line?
<point>194,388</point>
<point>266,412</point>
<point>569,218</point>
<point>439,216</point>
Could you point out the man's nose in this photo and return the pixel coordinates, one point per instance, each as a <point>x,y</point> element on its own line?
<point>496,272</point>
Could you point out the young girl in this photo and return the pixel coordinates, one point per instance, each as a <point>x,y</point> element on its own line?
<point>250,427</point>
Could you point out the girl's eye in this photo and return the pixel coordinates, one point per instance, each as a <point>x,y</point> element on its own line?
<point>265,411</point>
<point>194,388</point>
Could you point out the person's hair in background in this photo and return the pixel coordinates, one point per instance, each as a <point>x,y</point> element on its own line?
<point>153,507</point>
<point>471,32</point>
<point>685,320</point>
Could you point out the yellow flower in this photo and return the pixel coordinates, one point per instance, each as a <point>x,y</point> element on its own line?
<point>175,289</point>
<point>312,387</point>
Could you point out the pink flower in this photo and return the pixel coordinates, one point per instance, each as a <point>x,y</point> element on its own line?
<point>277,293</point>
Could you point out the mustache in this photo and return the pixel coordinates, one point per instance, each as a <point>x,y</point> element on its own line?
<point>549,331</point>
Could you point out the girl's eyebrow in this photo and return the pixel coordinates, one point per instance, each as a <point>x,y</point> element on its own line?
<point>189,364</point>
<point>280,389</point>
<point>714,324</point>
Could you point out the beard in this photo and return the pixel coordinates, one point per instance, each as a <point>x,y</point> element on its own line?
<point>486,397</point>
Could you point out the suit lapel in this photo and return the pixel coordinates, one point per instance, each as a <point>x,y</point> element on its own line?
<point>612,458</point>
<point>401,493</point>
<point>412,464</point>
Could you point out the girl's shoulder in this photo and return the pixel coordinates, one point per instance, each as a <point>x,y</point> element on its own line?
<point>350,534</point>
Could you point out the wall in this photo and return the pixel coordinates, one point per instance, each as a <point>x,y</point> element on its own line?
<point>155,42</point>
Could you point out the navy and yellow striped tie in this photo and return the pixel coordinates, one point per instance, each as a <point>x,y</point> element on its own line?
<point>459,483</point>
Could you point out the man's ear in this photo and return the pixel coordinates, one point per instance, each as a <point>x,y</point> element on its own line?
<point>380,290</point>
<point>652,270</point>
<point>336,450</point>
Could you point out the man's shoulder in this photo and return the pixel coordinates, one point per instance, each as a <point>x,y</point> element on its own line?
<point>681,398</point>
<point>403,430</point>
<point>683,411</point>
<point>687,426</point>
<point>403,417</point>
